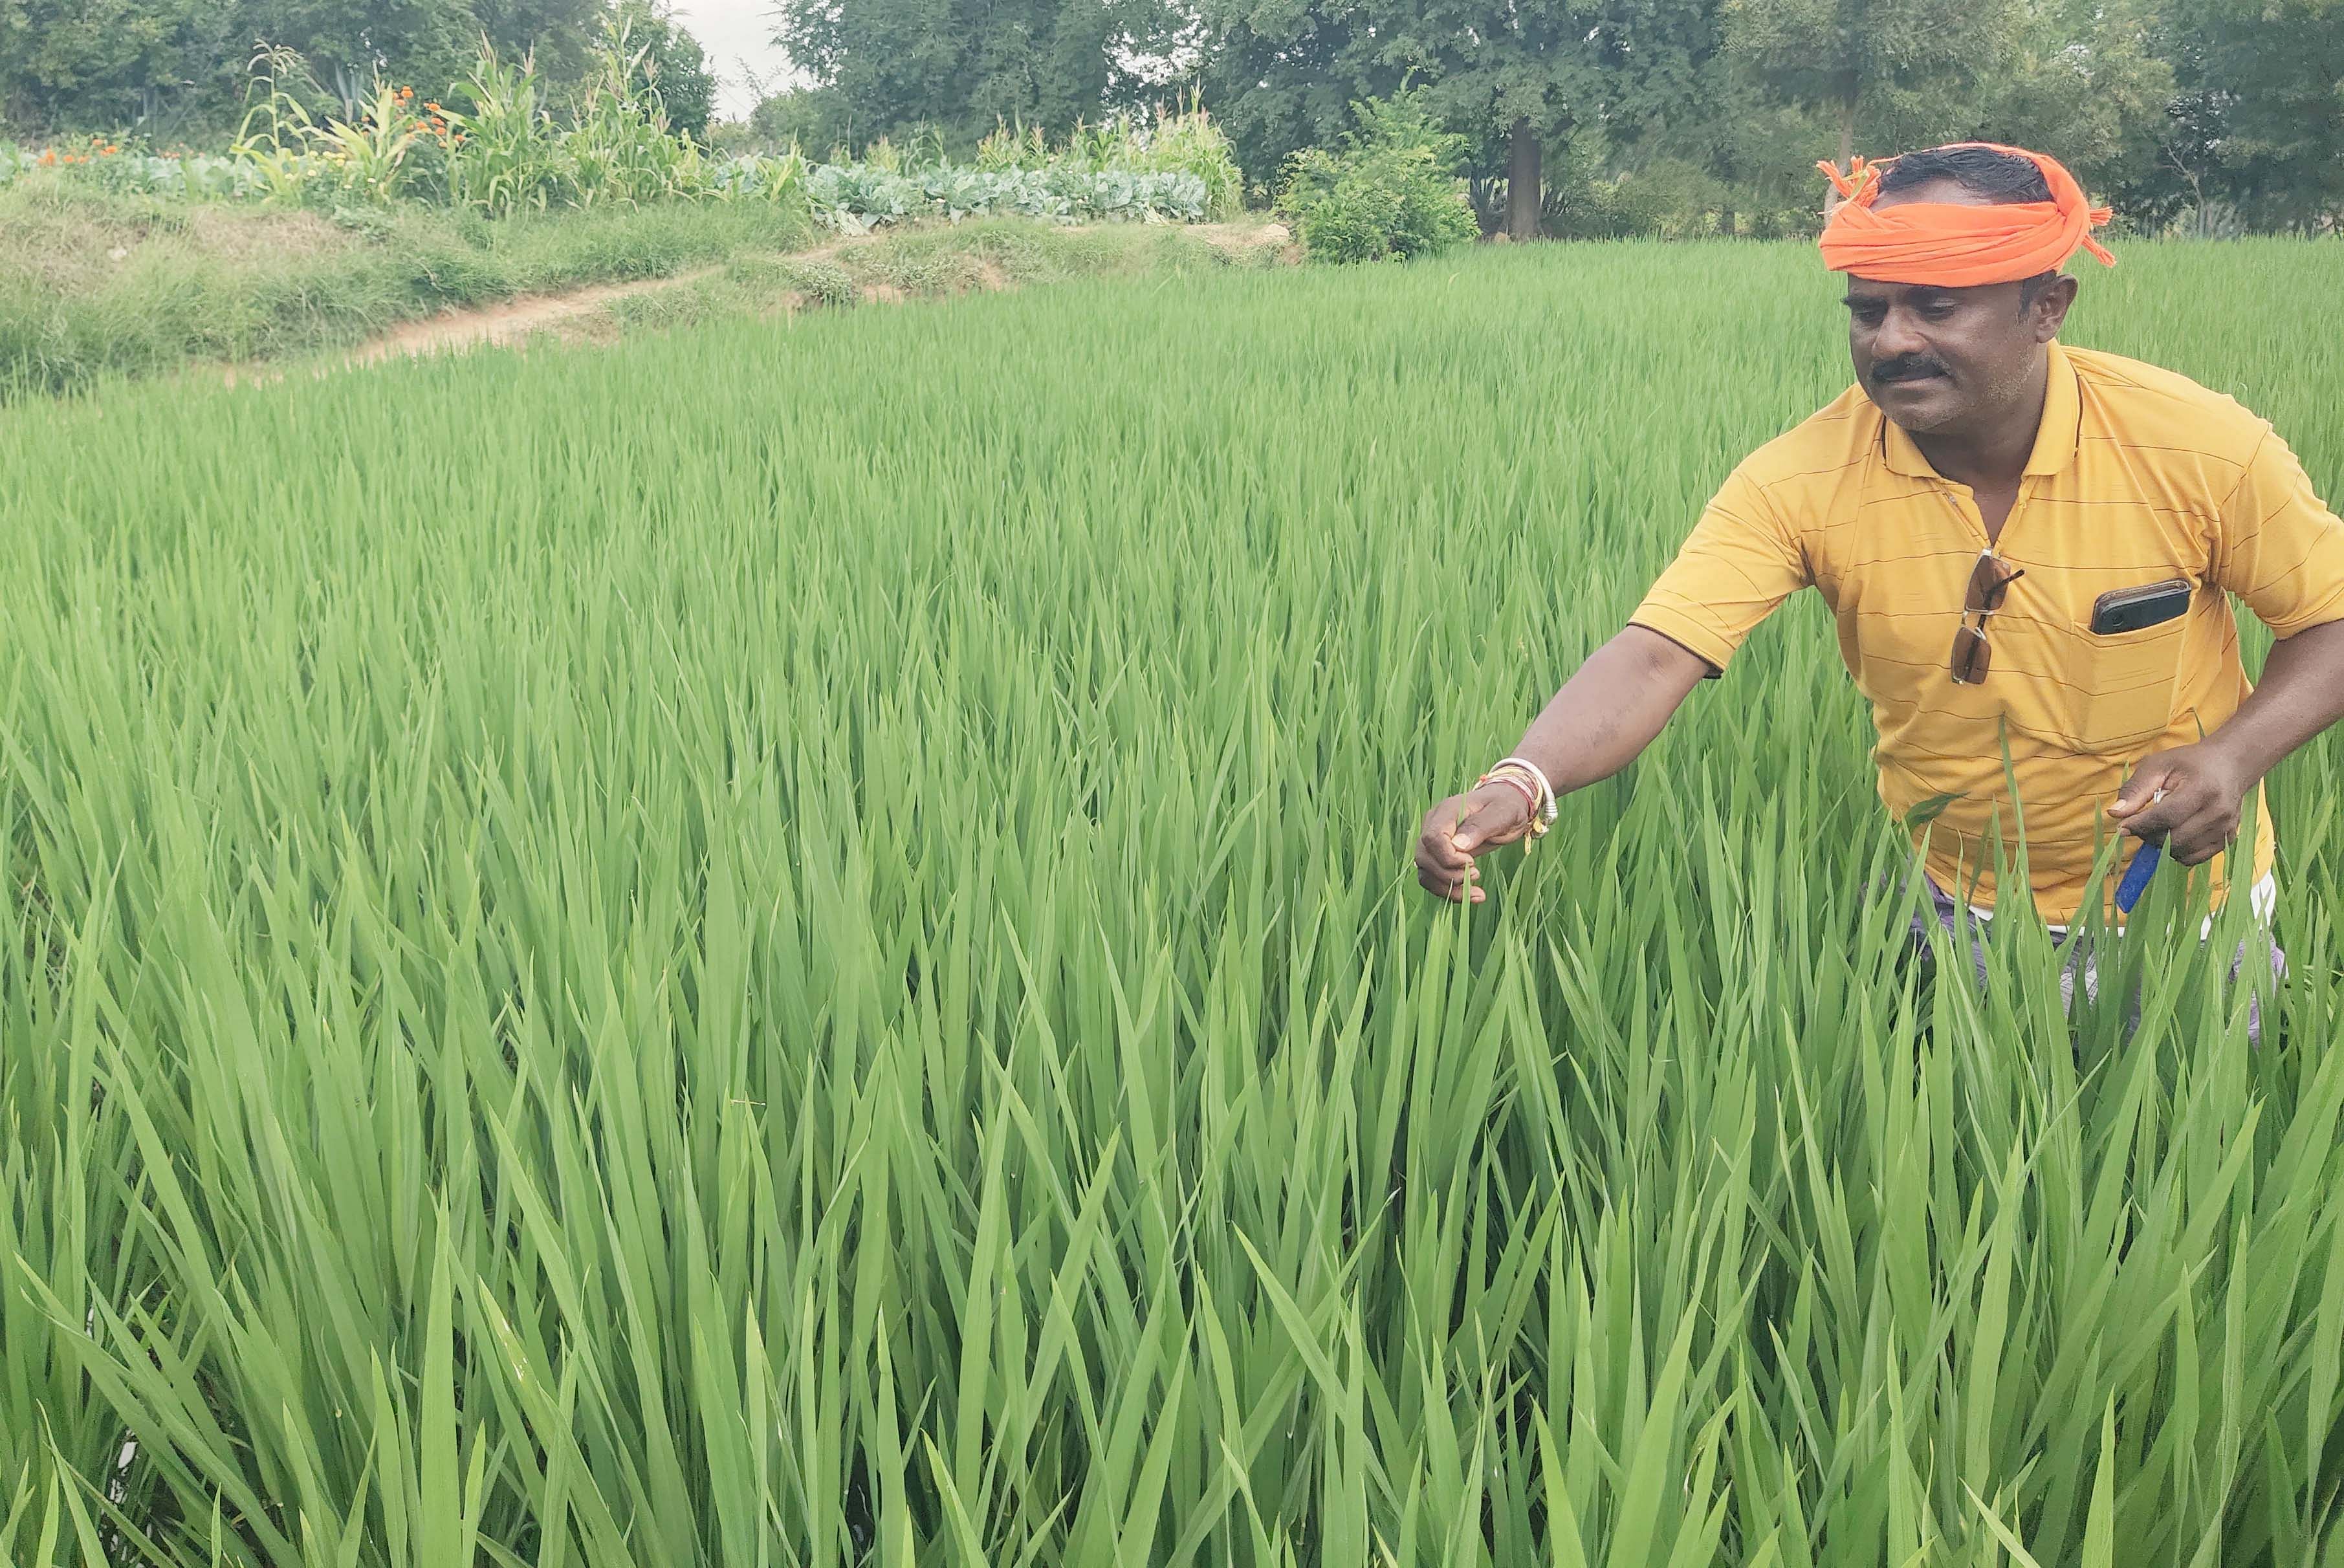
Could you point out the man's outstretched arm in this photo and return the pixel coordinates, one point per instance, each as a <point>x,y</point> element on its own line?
<point>2206,785</point>
<point>1602,718</point>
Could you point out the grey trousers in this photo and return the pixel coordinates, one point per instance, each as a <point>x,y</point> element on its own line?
<point>1968,927</point>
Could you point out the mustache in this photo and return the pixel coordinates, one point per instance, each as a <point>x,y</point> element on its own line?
<point>1907,367</point>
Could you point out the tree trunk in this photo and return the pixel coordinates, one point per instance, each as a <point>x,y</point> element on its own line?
<point>1522,183</point>
<point>1725,222</point>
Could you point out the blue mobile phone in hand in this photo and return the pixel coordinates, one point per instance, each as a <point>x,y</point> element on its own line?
<point>2136,875</point>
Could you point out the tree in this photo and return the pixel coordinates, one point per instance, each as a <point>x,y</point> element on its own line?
<point>170,66</point>
<point>430,45</point>
<point>1895,68</point>
<point>813,119</point>
<point>1758,149</point>
<point>1281,74</point>
<point>1528,70</point>
<point>2182,172</point>
<point>1671,96</point>
<point>90,64</point>
<point>2266,78</point>
<point>118,63</point>
<point>2084,84</point>
<point>561,33</point>
<point>1544,88</point>
<point>425,44</point>
<point>959,68</point>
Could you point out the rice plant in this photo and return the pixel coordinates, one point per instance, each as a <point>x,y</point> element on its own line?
<point>792,944</point>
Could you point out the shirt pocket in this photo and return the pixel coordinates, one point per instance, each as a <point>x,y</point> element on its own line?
<point>2123,699</point>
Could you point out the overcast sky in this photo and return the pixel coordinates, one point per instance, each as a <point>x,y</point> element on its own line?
<point>732,31</point>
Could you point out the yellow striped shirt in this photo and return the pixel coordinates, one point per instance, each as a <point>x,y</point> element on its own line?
<point>2138,475</point>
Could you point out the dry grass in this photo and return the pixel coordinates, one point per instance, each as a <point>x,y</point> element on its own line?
<point>65,244</point>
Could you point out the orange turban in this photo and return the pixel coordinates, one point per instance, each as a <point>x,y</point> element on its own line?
<point>1953,246</point>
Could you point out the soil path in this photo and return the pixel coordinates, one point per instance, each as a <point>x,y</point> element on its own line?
<point>512,320</point>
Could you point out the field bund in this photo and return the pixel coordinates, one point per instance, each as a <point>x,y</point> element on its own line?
<point>792,942</point>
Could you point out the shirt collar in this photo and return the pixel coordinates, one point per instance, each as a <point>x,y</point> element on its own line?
<point>2054,438</point>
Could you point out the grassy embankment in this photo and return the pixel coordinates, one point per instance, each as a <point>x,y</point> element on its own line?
<point>94,286</point>
<point>991,253</point>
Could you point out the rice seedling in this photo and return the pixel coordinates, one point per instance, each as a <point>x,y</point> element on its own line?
<point>792,944</point>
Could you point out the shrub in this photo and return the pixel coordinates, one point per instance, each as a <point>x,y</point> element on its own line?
<point>1391,192</point>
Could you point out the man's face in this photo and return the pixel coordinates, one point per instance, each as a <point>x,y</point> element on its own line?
<point>1947,361</point>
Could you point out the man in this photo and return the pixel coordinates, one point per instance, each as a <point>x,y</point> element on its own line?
<point>2018,540</point>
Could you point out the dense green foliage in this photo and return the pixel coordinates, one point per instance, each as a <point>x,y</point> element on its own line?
<point>958,68</point>
<point>1665,116</point>
<point>793,943</point>
<point>177,69</point>
<point>496,150</point>
<point>494,145</point>
<point>2258,122</point>
<point>2226,109</point>
<point>1390,194</point>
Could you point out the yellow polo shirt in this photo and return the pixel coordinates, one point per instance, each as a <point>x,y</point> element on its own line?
<point>2137,476</point>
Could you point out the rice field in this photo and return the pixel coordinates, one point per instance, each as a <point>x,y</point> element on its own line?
<point>793,944</point>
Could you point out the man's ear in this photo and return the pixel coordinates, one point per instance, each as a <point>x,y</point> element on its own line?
<point>2050,307</point>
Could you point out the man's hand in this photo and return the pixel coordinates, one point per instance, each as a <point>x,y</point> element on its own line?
<point>1593,727</point>
<point>2204,787</point>
<point>1462,828</point>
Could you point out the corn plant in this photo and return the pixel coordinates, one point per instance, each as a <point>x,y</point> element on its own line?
<point>1188,141</point>
<point>272,142</point>
<point>771,178</point>
<point>367,159</point>
<point>507,154</point>
<point>622,148</point>
<point>1007,147</point>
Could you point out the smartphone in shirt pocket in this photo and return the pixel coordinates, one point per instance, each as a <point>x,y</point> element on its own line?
<point>2136,632</point>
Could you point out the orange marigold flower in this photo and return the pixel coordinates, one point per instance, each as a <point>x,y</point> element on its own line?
<point>111,149</point>
<point>433,108</point>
